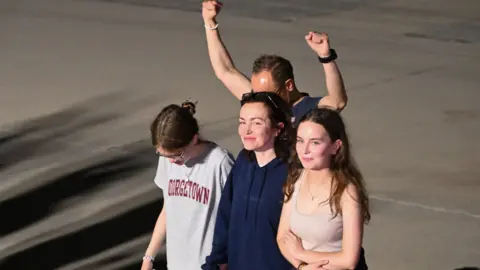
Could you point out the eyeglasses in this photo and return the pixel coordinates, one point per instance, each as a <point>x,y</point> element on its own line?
<point>251,96</point>
<point>176,157</point>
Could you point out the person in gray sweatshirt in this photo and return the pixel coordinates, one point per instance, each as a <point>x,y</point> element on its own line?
<point>191,173</point>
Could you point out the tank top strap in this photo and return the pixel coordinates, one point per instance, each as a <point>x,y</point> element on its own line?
<point>296,190</point>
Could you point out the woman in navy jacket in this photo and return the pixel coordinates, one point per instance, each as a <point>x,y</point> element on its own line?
<point>251,204</point>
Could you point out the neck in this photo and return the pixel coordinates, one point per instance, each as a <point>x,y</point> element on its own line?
<point>198,149</point>
<point>295,97</point>
<point>319,176</point>
<point>264,157</point>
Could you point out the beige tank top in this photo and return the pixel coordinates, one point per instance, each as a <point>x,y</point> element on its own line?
<point>318,231</point>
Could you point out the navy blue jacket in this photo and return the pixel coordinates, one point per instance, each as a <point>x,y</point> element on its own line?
<point>248,218</point>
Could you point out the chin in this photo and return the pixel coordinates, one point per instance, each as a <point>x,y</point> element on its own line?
<point>249,146</point>
<point>309,165</point>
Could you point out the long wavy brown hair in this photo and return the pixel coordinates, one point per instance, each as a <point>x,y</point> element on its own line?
<point>344,169</point>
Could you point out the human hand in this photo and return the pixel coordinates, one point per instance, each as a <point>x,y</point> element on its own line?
<point>293,244</point>
<point>319,43</point>
<point>316,266</point>
<point>210,10</point>
<point>147,265</point>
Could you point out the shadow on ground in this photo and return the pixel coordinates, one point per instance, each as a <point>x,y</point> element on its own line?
<point>88,202</point>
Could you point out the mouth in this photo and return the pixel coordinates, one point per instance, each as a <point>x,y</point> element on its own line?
<point>249,138</point>
<point>306,159</point>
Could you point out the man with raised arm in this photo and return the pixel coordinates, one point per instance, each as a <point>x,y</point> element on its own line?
<point>274,73</point>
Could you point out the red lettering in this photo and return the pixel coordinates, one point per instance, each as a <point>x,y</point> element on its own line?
<point>177,185</point>
<point>185,185</point>
<point>185,191</point>
<point>171,188</point>
<point>206,195</point>
<point>189,189</point>
<point>181,187</point>
<point>199,193</point>
<point>194,190</point>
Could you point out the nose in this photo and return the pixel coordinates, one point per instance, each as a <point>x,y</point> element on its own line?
<point>249,128</point>
<point>306,148</point>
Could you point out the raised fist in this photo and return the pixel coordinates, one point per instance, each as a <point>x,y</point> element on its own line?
<point>210,10</point>
<point>319,43</point>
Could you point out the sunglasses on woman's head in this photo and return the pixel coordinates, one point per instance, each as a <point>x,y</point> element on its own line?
<point>251,96</point>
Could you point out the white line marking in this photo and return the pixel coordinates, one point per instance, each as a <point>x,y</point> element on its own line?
<point>426,207</point>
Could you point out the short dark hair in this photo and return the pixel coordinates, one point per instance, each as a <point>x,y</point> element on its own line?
<point>278,112</point>
<point>174,127</point>
<point>280,68</point>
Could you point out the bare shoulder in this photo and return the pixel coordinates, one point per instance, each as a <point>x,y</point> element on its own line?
<point>350,194</point>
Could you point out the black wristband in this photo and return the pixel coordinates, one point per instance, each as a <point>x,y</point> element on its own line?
<point>333,56</point>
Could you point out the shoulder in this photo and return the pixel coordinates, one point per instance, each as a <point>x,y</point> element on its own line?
<point>221,156</point>
<point>242,157</point>
<point>164,168</point>
<point>242,161</point>
<point>298,183</point>
<point>304,106</point>
<point>313,101</point>
<point>350,194</point>
<point>309,101</point>
<point>163,163</point>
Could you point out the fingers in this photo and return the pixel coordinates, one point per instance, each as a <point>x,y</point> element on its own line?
<point>317,37</point>
<point>322,263</point>
<point>309,36</point>
<point>288,237</point>
<point>210,5</point>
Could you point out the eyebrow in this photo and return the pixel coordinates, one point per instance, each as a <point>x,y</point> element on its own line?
<point>253,118</point>
<point>312,139</point>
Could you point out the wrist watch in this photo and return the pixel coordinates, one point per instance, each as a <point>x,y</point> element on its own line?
<point>333,55</point>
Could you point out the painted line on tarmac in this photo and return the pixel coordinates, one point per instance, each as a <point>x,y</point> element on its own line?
<point>426,207</point>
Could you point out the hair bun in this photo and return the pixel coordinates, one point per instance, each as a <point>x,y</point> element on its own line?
<point>190,106</point>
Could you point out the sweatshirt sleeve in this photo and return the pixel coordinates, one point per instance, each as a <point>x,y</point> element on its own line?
<point>219,254</point>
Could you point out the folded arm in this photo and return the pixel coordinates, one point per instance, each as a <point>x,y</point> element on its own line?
<point>348,257</point>
<point>283,229</point>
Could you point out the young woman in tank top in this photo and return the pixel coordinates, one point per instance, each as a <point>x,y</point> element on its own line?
<point>326,203</point>
<point>191,173</point>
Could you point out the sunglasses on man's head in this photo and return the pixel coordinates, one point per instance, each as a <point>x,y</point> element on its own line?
<point>251,96</point>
